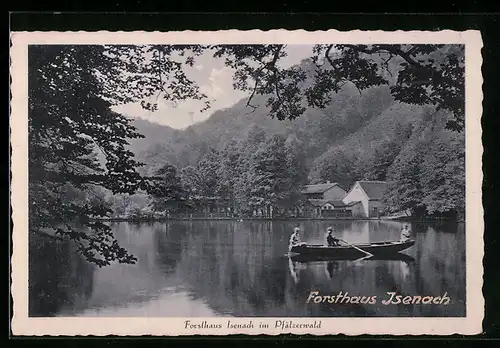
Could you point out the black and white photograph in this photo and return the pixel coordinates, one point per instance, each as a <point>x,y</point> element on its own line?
<point>249,180</point>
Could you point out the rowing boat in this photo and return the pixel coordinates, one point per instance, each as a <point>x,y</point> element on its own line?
<point>347,252</point>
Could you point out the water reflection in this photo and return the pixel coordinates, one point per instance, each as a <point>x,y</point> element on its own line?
<point>218,268</point>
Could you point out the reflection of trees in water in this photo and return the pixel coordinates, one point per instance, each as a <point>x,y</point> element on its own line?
<point>441,266</point>
<point>328,278</point>
<point>121,285</point>
<point>59,278</point>
<point>239,268</point>
<point>169,245</point>
<point>61,282</point>
<point>364,278</point>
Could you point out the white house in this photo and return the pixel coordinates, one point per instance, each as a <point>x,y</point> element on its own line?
<point>365,197</point>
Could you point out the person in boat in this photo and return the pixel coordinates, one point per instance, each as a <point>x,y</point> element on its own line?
<point>295,238</point>
<point>405,234</point>
<point>331,240</point>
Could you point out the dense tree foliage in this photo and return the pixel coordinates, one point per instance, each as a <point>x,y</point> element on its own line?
<point>257,174</point>
<point>267,174</point>
<point>428,176</point>
<point>77,145</point>
<point>383,157</point>
<point>338,164</point>
<point>426,75</point>
<point>297,171</point>
<point>167,190</point>
<point>208,174</point>
<point>229,172</point>
<point>191,181</point>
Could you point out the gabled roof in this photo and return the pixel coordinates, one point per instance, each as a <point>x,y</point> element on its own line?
<point>319,188</point>
<point>373,189</point>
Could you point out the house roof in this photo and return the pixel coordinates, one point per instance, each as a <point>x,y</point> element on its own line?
<point>373,189</point>
<point>318,188</point>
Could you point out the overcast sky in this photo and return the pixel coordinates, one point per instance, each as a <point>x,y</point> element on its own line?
<point>215,80</point>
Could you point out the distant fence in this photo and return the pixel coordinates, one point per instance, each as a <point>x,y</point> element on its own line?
<point>200,216</point>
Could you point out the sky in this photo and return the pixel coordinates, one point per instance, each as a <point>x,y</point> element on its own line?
<point>215,80</point>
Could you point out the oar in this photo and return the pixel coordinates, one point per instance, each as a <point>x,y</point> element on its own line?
<point>355,247</point>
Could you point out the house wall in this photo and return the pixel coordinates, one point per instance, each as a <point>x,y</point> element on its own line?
<point>310,210</point>
<point>334,194</point>
<point>357,194</point>
<point>337,213</point>
<point>376,208</point>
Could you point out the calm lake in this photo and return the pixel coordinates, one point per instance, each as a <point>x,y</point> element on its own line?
<point>229,268</point>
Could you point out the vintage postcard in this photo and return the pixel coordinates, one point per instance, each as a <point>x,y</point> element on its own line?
<point>246,182</point>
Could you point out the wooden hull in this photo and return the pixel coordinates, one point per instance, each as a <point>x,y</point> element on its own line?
<point>379,250</point>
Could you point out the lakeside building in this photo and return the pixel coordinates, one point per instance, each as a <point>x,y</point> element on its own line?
<point>330,200</point>
<point>323,201</point>
<point>365,198</point>
<point>320,208</point>
<point>327,191</point>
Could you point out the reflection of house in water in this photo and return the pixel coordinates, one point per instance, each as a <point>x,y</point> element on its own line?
<point>356,232</point>
<point>365,198</point>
